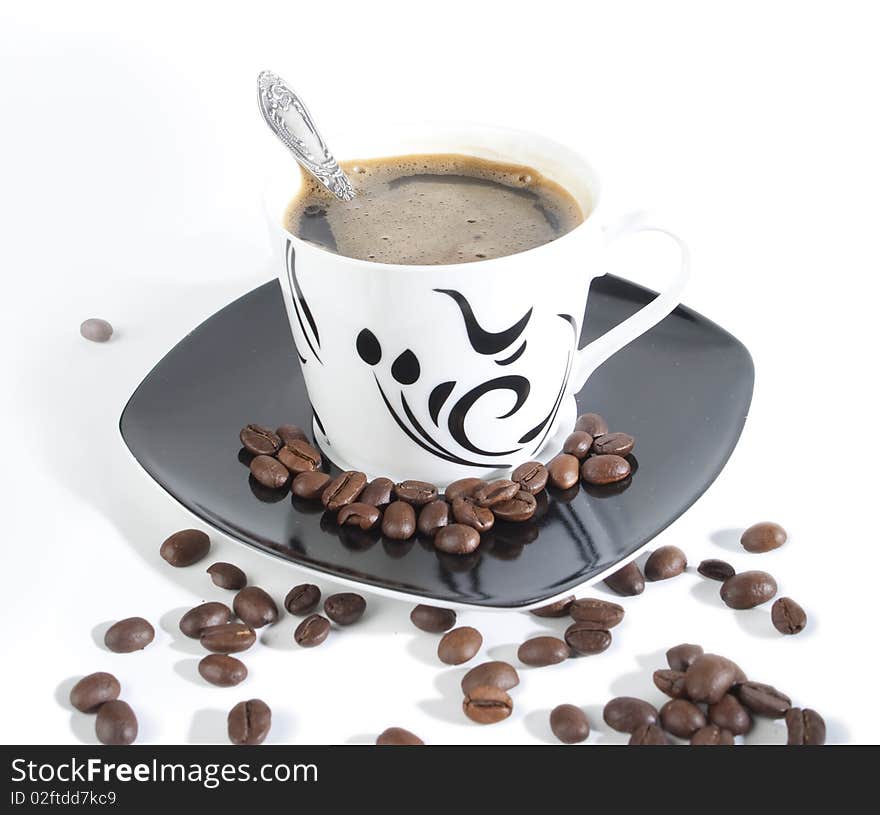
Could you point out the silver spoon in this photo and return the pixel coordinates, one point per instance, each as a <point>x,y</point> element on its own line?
<point>289,119</point>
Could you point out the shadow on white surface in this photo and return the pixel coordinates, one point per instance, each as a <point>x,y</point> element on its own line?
<point>728,539</point>
<point>82,725</point>
<point>756,622</point>
<point>639,683</point>
<point>98,633</point>
<point>505,653</point>
<point>208,727</point>
<point>188,669</point>
<point>537,722</point>
<point>169,622</point>
<point>424,649</point>
<point>363,738</point>
<point>707,592</point>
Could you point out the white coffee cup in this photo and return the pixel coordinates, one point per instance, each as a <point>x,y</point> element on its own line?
<point>442,372</point>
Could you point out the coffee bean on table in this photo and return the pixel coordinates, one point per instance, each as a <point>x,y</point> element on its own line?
<point>93,690</point>
<point>269,472</point>
<point>227,576</point>
<point>222,670</point>
<point>379,492</point>
<point>495,492</point>
<point>763,537</point>
<point>312,631</point>
<point>569,724</point>
<point>302,599</point>
<point>116,723</point>
<point>614,444</point>
<point>709,677</point>
<point>345,608</point>
<point>229,638</point>
<point>681,718</point>
<point>602,470</point>
<point>591,423</point>
<point>259,440</point>
<point>730,715</point>
<point>432,619</point>
<point>681,657</point>
<point>363,516</point>
<point>586,639</point>
<point>804,726</point>
<point>716,569</point>
<point>344,489</point>
<point>249,722</point>
<point>541,651</point>
<point>517,509</point>
<point>496,673</point>
<point>290,432</point>
<point>748,589</point>
<point>131,634</point>
<point>626,714</point>
<point>665,562</point>
<point>603,613</point>
<point>96,330</point>
<point>433,517</point>
<point>648,735</point>
<point>463,488</point>
<point>399,521</point>
<point>398,737</point>
<point>670,682</point>
<point>787,616</point>
<point>764,700</point>
<point>459,645</point>
<point>711,734</point>
<point>558,609</point>
<point>468,513</point>
<point>310,485</point>
<point>417,493</point>
<point>578,444</point>
<point>627,581</point>
<point>202,616</point>
<point>562,470</point>
<point>531,476</point>
<point>457,539</point>
<point>255,607</point>
<point>185,547</point>
<point>487,705</point>
<point>299,456</point>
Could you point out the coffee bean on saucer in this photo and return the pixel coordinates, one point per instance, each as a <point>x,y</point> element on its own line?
<point>602,470</point>
<point>131,634</point>
<point>398,737</point>
<point>729,714</point>
<point>459,645</point>
<point>457,539</point>
<point>664,563</point>
<point>433,517</point>
<point>748,589</point>
<point>716,569</point>
<point>562,470</point>
<point>497,674</point>
<point>207,614</point>
<point>804,726</point>
<point>711,734</point>
<point>569,724</point>
<point>255,607</point>
<point>96,330</point>
<point>290,432</point>
<point>259,440</point>
<point>345,608</point>
<point>302,599</point>
<point>222,670</point>
<point>591,423</point>
<point>468,513</point>
<point>116,723</point>
<point>495,492</point>
<point>625,714</point>
<point>763,537</point>
<point>417,493</point>
<point>670,682</point>
<point>310,485</point>
<point>586,639</point>
<point>93,690</point>
<point>648,735</point>
<point>531,476</point>
<point>249,722</point>
<point>312,631</point>
<point>541,651</point>
<point>578,444</point>
<point>681,657</point>
<point>185,547</point>
<point>399,521</point>
<point>627,581</point>
<point>463,488</point>
<point>432,619</point>
<point>614,444</point>
<point>603,613</point>
<point>709,677</point>
<point>227,576</point>
<point>229,638</point>
<point>379,493</point>
<point>344,489</point>
<point>764,700</point>
<point>487,705</point>
<point>299,456</point>
<point>787,616</point>
<point>558,609</point>
<point>517,509</point>
<point>269,472</point>
<point>681,718</point>
<point>363,516</point>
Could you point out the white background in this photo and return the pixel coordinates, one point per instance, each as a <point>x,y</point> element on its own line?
<point>130,176</point>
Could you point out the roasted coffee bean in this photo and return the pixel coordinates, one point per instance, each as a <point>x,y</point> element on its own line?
<point>96,330</point>
<point>569,724</point>
<point>670,682</point>
<point>345,608</point>
<point>627,581</point>
<point>601,470</point>
<point>417,493</point>
<point>269,472</point>
<point>729,714</point>
<point>497,674</point>
<point>116,723</point>
<point>185,547</point>
<point>299,456</point>
<point>259,440</point>
<point>648,735</point>
<point>517,509</point>
<point>804,726</point>
<point>255,607</point>
<point>716,569</point>
<point>578,444</point>
<point>131,634</point>
<point>344,489</point>
<point>302,599</point>
<point>586,639</point>
<point>227,576</point>
<point>93,690</point>
<point>379,493</point>
<point>558,609</point>
<point>613,444</point>
<point>463,488</point>
<point>291,432</point>
<point>748,589</point>
<point>681,657</point>
<point>763,537</point>
<point>459,645</point>
<point>312,631</point>
<point>626,714</point>
<point>681,718</point>
<point>222,670</point>
<point>468,513</point>
<point>541,651</point>
<point>531,476</point>
<point>495,492</point>
<point>562,470</point>
<point>249,722</point>
<point>399,521</point>
<point>432,619</point>
<point>398,737</point>
<point>202,616</point>
<point>591,423</point>
<point>603,613</point>
<point>310,485</point>
<point>457,539</point>
<point>363,516</point>
<point>764,700</point>
<point>665,562</point>
<point>711,734</point>
<point>787,616</point>
<point>229,638</point>
<point>433,517</point>
<point>487,705</point>
<point>709,677</point>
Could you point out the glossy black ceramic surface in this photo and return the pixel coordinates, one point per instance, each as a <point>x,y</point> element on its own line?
<point>683,390</point>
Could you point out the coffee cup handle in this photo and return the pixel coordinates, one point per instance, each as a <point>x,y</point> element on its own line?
<point>593,355</point>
